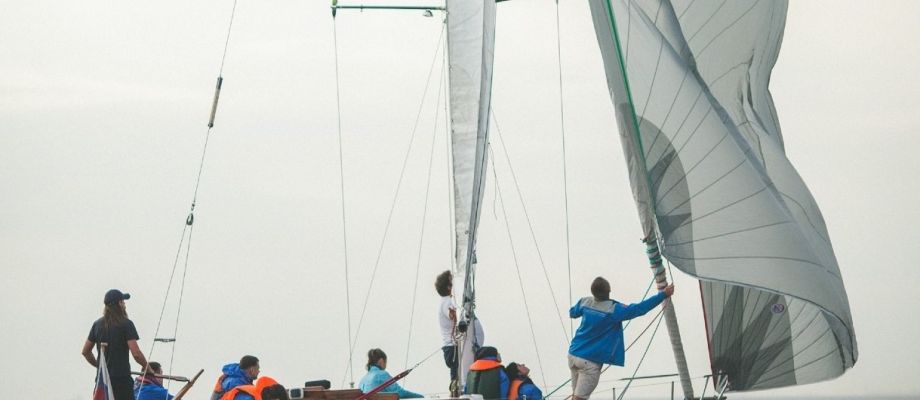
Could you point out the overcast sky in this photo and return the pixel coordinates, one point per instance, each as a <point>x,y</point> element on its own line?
<point>103,107</point>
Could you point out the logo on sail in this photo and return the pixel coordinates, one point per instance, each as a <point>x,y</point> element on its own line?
<point>778,308</point>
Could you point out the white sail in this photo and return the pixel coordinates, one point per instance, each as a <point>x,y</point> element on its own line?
<point>471,43</point>
<point>689,82</point>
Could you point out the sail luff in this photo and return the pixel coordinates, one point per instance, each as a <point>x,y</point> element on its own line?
<point>471,41</point>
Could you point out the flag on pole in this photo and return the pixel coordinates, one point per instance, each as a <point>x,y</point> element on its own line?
<point>103,389</point>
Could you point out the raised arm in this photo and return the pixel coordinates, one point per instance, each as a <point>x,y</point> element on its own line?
<point>575,311</point>
<point>626,312</point>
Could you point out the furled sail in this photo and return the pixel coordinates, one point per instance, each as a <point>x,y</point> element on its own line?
<point>689,83</point>
<point>471,43</point>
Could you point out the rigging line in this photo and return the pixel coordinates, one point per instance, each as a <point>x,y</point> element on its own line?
<point>227,42</point>
<point>172,274</point>
<point>436,351</point>
<point>338,111</point>
<point>188,250</point>
<point>402,172</point>
<point>418,261</point>
<point>644,296</point>
<point>533,235</point>
<point>156,331</point>
<point>649,346</point>
<point>517,267</point>
<point>220,73</point>
<point>565,178</point>
<point>190,218</point>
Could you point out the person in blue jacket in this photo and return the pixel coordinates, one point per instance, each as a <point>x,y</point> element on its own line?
<point>522,387</point>
<point>599,338</point>
<point>236,374</point>
<point>149,386</point>
<point>377,375</point>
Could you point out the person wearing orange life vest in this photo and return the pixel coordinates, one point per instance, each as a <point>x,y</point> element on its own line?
<point>265,388</point>
<point>487,376</point>
<point>236,374</point>
<point>521,388</point>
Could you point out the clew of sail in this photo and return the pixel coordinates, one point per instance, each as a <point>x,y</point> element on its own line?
<point>471,44</point>
<point>689,82</point>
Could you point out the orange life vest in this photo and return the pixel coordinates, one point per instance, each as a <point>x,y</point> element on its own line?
<point>253,390</point>
<point>513,390</point>
<point>482,365</point>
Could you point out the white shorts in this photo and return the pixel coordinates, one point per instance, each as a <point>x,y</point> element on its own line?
<point>585,376</point>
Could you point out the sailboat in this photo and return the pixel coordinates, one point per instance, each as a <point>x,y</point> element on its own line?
<point>716,196</point>
<point>715,193</point>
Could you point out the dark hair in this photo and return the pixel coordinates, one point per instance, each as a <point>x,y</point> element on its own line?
<point>153,367</point>
<point>275,392</point>
<point>248,361</point>
<point>600,288</point>
<point>512,371</point>
<point>373,356</point>
<point>487,351</point>
<point>443,283</point>
<point>114,315</point>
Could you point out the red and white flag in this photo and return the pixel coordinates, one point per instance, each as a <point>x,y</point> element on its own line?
<point>103,389</point>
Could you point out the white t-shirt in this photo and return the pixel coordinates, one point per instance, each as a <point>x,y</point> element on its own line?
<point>447,326</point>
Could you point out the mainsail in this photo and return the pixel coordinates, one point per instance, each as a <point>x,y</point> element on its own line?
<point>689,82</point>
<point>471,43</point>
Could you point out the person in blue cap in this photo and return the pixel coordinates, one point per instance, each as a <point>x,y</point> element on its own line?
<point>120,336</point>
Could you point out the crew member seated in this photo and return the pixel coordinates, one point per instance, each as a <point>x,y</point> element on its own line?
<point>265,388</point>
<point>487,377</point>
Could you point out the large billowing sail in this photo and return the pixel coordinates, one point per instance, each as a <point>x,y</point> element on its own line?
<point>689,82</point>
<point>471,43</point>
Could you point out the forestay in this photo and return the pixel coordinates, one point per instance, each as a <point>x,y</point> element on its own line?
<point>471,42</point>
<point>689,82</point>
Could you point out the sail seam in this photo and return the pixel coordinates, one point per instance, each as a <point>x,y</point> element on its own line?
<point>716,211</point>
<point>750,257</point>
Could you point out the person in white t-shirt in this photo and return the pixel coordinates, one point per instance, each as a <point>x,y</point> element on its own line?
<point>447,320</point>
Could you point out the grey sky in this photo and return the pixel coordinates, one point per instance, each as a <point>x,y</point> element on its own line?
<point>103,108</point>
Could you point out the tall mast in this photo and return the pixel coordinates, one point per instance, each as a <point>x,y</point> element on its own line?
<point>608,38</point>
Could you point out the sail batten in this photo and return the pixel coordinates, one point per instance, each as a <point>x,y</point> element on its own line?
<point>709,174</point>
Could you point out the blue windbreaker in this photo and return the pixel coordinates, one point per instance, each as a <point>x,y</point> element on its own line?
<point>599,337</point>
<point>529,391</point>
<point>147,389</point>
<point>376,377</point>
<point>233,377</point>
